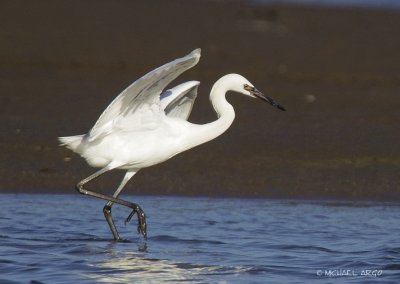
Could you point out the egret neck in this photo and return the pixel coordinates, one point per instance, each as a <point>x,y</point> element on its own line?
<point>203,133</point>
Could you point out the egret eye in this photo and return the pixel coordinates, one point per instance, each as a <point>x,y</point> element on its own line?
<point>248,88</point>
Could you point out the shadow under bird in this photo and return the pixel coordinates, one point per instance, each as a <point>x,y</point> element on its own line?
<point>144,126</point>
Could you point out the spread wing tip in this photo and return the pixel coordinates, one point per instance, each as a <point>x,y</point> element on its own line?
<point>196,52</point>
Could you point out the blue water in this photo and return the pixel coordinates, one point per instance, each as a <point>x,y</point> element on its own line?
<point>65,239</point>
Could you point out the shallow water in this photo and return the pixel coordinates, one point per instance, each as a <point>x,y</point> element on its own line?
<point>65,239</point>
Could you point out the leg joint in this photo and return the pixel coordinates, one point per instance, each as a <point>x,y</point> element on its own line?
<point>80,189</point>
<point>107,210</point>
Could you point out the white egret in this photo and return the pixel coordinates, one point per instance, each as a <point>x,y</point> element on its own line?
<point>144,126</point>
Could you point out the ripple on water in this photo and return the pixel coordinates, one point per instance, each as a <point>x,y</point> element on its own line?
<point>172,239</point>
<point>281,241</point>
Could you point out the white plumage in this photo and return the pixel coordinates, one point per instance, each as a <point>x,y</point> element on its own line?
<point>144,126</point>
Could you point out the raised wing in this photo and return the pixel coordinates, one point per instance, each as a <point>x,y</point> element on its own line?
<point>142,98</point>
<point>178,101</point>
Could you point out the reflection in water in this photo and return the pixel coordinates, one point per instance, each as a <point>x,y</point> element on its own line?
<point>134,267</point>
<point>197,240</point>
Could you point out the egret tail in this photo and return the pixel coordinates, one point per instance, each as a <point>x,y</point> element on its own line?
<point>71,142</point>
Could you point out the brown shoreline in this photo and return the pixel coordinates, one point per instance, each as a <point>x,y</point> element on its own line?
<point>337,71</point>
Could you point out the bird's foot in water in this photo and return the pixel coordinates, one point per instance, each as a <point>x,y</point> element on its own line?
<point>142,225</point>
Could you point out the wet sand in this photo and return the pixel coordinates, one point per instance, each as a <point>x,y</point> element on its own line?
<point>337,71</point>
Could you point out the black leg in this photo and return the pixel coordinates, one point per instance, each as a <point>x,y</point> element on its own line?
<point>107,207</point>
<point>135,207</point>
<point>110,221</point>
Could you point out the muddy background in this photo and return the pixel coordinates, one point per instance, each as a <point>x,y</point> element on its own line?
<point>336,70</point>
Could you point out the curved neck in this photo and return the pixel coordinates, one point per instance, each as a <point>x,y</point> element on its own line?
<point>224,110</point>
<point>226,115</point>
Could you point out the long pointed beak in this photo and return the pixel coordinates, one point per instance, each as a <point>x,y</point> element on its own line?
<point>265,98</point>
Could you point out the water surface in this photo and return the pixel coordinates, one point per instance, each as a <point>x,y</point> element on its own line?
<point>65,239</point>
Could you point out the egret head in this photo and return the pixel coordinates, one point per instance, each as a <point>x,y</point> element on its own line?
<point>242,85</point>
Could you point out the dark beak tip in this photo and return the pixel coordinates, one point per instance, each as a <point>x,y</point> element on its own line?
<point>258,94</point>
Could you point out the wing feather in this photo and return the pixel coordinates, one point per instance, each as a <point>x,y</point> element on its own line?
<point>144,94</point>
<point>178,101</point>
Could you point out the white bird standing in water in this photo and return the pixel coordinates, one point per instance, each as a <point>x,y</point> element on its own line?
<point>145,126</point>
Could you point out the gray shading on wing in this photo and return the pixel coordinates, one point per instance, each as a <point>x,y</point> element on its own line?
<point>143,93</point>
<point>178,101</point>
